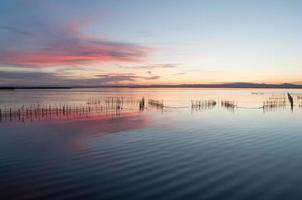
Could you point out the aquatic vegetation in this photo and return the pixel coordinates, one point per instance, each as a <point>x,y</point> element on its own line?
<point>114,105</point>
<point>156,103</point>
<point>231,105</point>
<point>274,102</point>
<point>202,104</point>
<point>48,112</point>
<point>94,101</point>
<point>93,106</point>
<point>299,100</point>
<point>142,104</point>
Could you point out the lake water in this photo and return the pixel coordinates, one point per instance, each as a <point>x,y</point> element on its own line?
<point>182,144</point>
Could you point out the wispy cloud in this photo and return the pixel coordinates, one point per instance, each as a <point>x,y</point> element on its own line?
<point>14,30</point>
<point>180,73</point>
<point>52,78</point>
<point>129,77</point>
<point>28,78</point>
<point>47,44</point>
<point>71,49</point>
<point>154,66</point>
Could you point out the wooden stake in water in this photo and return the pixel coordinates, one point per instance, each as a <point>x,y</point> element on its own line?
<point>291,101</point>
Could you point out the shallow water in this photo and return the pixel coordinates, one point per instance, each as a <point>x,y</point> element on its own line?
<point>175,152</point>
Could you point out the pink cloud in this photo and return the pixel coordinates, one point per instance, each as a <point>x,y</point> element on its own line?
<point>69,46</point>
<point>75,54</point>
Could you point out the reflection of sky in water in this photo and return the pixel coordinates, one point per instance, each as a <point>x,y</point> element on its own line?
<point>174,153</point>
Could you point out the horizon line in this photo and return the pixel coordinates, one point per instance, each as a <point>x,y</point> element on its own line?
<point>218,85</point>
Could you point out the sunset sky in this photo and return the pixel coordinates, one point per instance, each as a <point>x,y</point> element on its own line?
<point>105,42</point>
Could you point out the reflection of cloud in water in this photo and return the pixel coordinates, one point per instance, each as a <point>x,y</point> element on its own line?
<point>76,132</point>
<point>104,124</point>
<point>62,138</point>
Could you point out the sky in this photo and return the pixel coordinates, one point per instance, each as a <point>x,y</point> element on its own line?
<point>122,42</point>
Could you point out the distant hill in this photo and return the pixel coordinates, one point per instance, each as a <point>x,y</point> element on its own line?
<point>223,85</point>
<point>32,87</point>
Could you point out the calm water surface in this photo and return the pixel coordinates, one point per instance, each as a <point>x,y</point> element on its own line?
<point>96,150</point>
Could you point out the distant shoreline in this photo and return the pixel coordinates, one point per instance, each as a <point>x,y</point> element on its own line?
<point>32,88</point>
<point>227,85</point>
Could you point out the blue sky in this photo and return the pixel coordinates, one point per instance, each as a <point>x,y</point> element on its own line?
<point>150,42</point>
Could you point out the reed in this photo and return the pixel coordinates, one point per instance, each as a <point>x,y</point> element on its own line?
<point>299,99</point>
<point>94,101</point>
<point>142,104</point>
<point>112,106</point>
<point>228,104</point>
<point>202,104</point>
<point>274,102</point>
<point>156,103</point>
